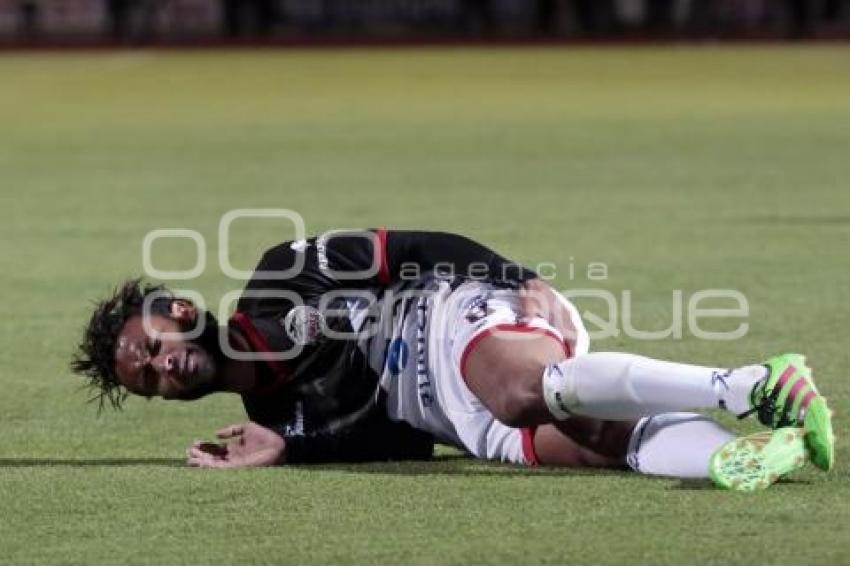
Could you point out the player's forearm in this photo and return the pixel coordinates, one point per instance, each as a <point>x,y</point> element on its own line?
<point>379,443</point>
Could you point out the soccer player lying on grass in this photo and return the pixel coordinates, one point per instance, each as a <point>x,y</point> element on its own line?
<point>368,346</point>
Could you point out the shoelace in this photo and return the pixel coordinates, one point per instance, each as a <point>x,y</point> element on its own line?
<point>766,407</point>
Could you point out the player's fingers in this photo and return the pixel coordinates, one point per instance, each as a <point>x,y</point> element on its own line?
<point>207,451</point>
<point>230,431</point>
<point>209,447</point>
<point>194,462</point>
<point>196,452</point>
<point>203,464</point>
<point>531,306</point>
<point>199,459</point>
<point>561,319</point>
<point>207,460</point>
<point>526,305</point>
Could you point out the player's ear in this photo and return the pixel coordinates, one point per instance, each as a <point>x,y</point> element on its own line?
<point>183,310</point>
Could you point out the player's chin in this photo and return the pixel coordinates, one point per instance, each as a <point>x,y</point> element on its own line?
<point>193,386</point>
<point>205,370</point>
<point>196,392</point>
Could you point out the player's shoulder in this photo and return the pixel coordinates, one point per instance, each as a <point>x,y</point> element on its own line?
<point>285,254</point>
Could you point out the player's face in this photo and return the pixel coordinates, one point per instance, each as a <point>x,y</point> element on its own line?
<point>160,363</point>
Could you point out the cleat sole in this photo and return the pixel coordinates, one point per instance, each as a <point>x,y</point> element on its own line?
<point>754,462</point>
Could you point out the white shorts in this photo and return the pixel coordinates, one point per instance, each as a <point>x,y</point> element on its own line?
<point>431,393</point>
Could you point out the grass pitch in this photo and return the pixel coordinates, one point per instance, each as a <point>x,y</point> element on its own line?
<point>679,168</point>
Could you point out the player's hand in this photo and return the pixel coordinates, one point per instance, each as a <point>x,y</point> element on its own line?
<point>538,299</point>
<point>244,446</point>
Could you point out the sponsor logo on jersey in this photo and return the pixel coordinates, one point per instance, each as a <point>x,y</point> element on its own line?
<point>303,324</point>
<point>398,354</point>
<point>422,374</point>
<point>477,309</point>
<point>296,428</point>
<point>322,253</point>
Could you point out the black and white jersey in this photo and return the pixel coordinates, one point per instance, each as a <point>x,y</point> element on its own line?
<point>318,314</point>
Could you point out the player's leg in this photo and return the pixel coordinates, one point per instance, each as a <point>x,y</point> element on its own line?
<point>621,386</point>
<point>525,379</point>
<point>582,442</point>
<point>681,445</point>
<point>608,385</point>
<point>503,368</point>
<point>676,444</point>
<point>524,376</point>
<point>673,444</point>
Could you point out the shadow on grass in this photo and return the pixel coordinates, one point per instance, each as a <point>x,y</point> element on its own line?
<point>90,462</point>
<point>701,485</point>
<point>694,485</point>
<point>446,464</point>
<point>459,465</point>
<point>441,465</point>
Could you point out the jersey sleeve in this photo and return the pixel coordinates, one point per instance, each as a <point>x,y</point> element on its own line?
<point>372,441</point>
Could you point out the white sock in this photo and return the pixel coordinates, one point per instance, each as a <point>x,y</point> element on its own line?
<point>616,386</point>
<point>675,444</point>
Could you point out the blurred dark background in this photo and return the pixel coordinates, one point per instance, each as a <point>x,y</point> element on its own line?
<point>35,22</point>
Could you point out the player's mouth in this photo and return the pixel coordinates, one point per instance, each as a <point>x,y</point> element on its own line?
<point>191,375</point>
<point>190,364</point>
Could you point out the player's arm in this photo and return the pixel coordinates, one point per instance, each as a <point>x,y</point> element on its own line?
<point>404,253</point>
<point>252,445</point>
<point>378,440</point>
<point>375,258</point>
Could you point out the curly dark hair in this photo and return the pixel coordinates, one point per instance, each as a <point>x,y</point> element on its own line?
<point>95,358</point>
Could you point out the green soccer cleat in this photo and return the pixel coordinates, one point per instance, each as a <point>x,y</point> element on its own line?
<point>754,462</point>
<point>819,436</point>
<point>788,397</point>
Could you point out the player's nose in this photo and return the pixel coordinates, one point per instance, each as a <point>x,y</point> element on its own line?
<point>166,363</point>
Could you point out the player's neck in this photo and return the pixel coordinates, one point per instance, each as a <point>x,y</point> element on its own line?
<point>238,376</point>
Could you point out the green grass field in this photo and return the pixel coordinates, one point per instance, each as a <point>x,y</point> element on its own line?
<point>679,168</point>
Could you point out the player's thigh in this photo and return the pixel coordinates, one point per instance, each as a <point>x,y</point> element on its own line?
<point>504,371</point>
